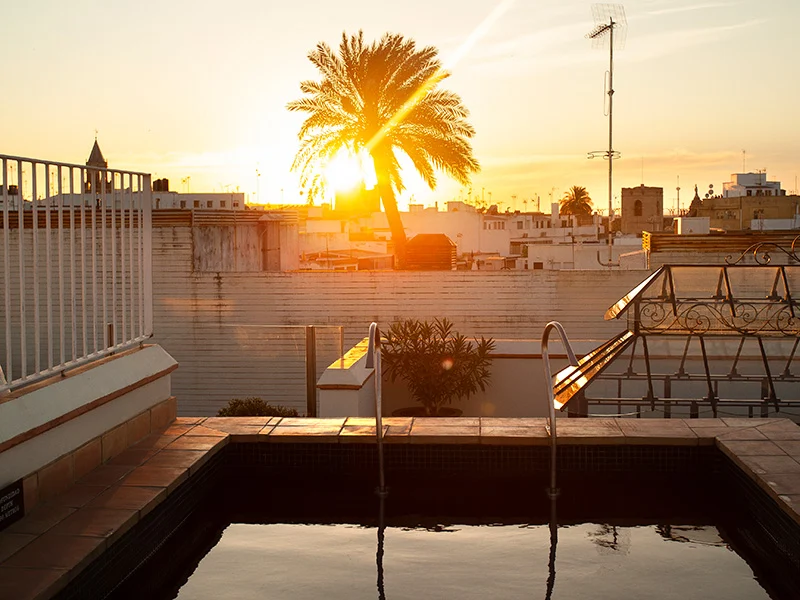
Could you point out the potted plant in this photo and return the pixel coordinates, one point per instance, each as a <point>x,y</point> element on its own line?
<point>438,364</point>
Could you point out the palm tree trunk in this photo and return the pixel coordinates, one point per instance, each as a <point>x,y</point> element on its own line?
<point>392,212</point>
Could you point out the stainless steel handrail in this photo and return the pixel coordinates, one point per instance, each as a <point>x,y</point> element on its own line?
<point>374,362</point>
<point>553,491</point>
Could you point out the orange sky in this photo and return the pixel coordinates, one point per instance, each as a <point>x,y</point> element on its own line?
<point>198,89</point>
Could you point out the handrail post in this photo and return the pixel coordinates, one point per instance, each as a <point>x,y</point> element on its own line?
<point>311,371</point>
<point>374,362</point>
<point>553,491</point>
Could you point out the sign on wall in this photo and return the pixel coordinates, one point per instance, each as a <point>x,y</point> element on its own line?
<point>12,506</point>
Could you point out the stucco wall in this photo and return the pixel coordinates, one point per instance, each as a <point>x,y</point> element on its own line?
<point>216,324</point>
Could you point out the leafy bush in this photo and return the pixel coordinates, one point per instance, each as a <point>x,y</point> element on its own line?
<point>254,407</point>
<point>438,364</point>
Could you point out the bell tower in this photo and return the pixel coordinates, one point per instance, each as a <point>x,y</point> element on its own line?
<point>94,177</point>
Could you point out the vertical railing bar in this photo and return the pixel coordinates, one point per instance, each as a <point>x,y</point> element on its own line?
<point>48,229</point>
<point>72,278</point>
<point>103,255</point>
<point>23,317</point>
<point>89,200</point>
<point>147,228</point>
<point>786,371</point>
<point>85,176</point>
<point>729,292</point>
<point>113,342</point>
<point>37,334</point>
<point>122,262</point>
<point>7,272</point>
<point>772,395</point>
<point>61,332</point>
<point>788,295</point>
<point>711,395</point>
<point>84,347</point>
<point>131,261</point>
<point>140,210</point>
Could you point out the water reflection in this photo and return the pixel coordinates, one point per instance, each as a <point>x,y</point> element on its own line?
<point>692,534</point>
<point>551,563</point>
<point>381,538</point>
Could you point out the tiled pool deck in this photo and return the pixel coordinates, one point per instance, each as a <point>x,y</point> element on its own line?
<point>44,551</point>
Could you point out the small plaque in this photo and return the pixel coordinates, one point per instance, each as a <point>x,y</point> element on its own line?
<point>12,505</point>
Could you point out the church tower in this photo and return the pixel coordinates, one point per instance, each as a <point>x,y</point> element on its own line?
<point>95,180</point>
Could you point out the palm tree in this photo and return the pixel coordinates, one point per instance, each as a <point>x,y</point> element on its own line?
<point>382,98</point>
<point>576,202</point>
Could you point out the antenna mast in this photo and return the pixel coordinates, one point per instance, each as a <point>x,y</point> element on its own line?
<point>609,19</point>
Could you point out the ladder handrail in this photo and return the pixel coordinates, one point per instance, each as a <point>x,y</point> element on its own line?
<point>553,491</point>
<point>374,362</point>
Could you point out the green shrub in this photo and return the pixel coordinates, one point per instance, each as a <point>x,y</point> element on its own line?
<point>254,407</point>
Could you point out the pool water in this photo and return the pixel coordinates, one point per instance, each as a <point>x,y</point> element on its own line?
<point>303,537</point>
<point>668,561</point>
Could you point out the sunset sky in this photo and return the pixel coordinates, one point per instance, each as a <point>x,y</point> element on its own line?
<point>199,89</point>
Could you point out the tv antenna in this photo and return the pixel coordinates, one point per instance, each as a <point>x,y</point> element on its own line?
<point>610,26</point>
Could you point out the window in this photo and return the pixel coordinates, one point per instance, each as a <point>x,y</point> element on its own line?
<point>222,203</point>
<point>637,208</point>
<point>197,203</point>
<point>538,266</point>
<point>183,203</point>
<point>209,204</point>
<point>235,205</point>
<point>519,224</point>
<point>158,202</point>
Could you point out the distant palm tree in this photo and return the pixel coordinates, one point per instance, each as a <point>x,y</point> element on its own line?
<point>576,202</point>
<point>382,98</point>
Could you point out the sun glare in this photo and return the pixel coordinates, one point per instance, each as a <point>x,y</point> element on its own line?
<point>346,171</point>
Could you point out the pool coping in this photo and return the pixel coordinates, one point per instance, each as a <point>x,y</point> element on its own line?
<point>41,553</point>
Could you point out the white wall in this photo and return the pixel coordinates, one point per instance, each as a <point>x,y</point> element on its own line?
<point>220,326</point>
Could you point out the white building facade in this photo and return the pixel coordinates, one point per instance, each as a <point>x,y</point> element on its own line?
<point>751,184</point>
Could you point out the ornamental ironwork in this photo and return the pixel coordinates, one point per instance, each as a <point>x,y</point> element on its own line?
<point>761,252</point>
<point>751,309</point>
<point>765,318</point>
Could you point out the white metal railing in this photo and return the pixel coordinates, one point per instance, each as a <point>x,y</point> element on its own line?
<point>75,266</point>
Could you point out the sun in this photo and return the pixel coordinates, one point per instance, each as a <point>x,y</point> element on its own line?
<point>347,171</point>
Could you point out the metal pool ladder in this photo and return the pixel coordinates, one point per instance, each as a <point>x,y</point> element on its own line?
<point>548,378</point>
<point>374,362</point>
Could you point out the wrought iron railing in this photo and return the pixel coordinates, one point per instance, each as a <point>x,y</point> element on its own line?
<point>762,303</point>
<point>749,312</point>
<point>75,270</point>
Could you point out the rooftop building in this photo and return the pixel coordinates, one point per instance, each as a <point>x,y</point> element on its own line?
<point>751,184</point>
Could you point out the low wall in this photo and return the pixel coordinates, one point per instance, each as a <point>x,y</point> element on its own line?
<point>60,429</point>
<point>517,386</point>
<point>518,389</point>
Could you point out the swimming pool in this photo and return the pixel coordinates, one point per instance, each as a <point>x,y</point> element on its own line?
<point>594,560</point>
<point>458,523</point>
